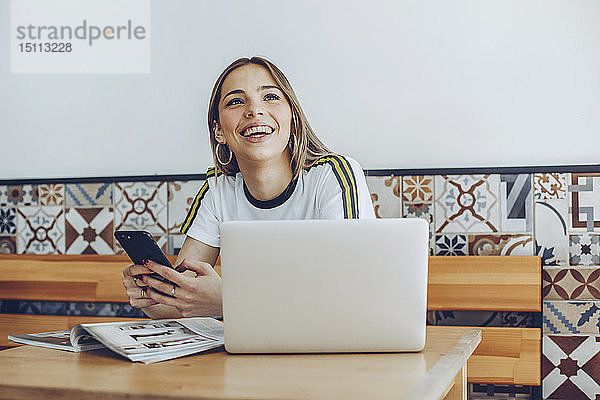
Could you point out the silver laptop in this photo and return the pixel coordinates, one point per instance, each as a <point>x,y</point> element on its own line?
<point>324,285</point>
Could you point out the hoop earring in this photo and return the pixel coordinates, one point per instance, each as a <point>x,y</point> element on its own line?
<point>219,158</point>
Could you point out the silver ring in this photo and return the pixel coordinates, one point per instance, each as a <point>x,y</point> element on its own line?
<point>143,293</point>
<point>173,291</point>
<point>135,281</point>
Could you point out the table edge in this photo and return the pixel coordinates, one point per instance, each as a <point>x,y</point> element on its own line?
<point>441,376</point>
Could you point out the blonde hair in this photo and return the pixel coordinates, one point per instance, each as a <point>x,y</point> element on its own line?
<point>305,146</point>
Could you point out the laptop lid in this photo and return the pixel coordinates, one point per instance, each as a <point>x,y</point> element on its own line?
<point>324,285</point>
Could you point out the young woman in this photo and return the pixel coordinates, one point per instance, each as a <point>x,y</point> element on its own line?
<point>269,165</point>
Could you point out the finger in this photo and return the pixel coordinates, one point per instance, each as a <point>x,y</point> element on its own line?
<point>166,272</point>
<point>127,283</point>
<point>142,303</point>
<point>199,267</point>
<point>139,281</point>
<point>135,292</point>
<point>134,270</point>
<point>140,297</point>
<point>135,281</point>
<point>163,299</point>
<point>159,285</point>
<point>126,271</point>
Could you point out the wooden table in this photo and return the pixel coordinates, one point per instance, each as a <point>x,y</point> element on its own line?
<point>438,372</point>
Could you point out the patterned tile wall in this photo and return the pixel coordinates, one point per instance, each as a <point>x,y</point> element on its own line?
<point>567,233</point>
<point>82,218</point>
<point>468,214</point>
<point>553,215</point>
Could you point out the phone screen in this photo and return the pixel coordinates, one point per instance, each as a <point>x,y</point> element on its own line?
<point>140,246</point>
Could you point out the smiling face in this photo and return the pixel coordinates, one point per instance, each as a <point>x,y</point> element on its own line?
<point>254,117</point>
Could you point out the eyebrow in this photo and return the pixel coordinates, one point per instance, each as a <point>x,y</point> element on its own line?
<point>264,87</point>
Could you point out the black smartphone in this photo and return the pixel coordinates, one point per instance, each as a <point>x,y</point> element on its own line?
<point>140,246</point>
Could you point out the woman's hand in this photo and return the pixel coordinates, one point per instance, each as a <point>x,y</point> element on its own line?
<point>192,296</point>
<point>135,287</point>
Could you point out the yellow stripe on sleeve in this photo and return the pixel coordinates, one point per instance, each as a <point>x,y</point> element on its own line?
<point>194,208</point>
<point>187,222</point>
<point>345,177</point>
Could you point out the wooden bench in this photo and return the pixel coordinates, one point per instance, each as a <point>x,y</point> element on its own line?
<point>490,283</point>
<point>78,278</point>
<point>493,283</point>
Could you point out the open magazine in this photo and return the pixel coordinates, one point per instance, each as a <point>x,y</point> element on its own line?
<point>145,341</point>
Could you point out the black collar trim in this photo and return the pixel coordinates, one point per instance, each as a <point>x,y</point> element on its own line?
<point>276,202</point>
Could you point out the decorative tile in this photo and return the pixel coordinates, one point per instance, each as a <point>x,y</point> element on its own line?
<point>141,206</point>
<point>552,241</point>
<point>53,307</point>
<point>88,194</point>
<point>8,245</point>
<point>8,221</point>
<point>552,186</point>
<point>125,310</point>
<point>418,210</point>
<point>571,283</point>
<point>570,367</point>
<point>181,196</point>
<point>29,307</point>
<point>479,391</point>
<point>385,195</point>
<point>424,211</point>
<point>467,203</point>
<point>40,230</point>
<point>5,307</point>
<point>507,319</point>
<point>517,319</point>
<point>451,245</point>
<point>584,249</point>
<point>103,310</point>
<point>571,317</point>
<point>175,243</point>
<point>585,201</point>
<point>19,195</point>
<point>91,309</point>
<point>417,189</point>
<point>89,230</point>
<point>51,195</point>
<point>69,308</point>
<point>516,203</point>
<point>503,245</point>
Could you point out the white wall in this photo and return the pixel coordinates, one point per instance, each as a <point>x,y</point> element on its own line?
<point>394,84</point>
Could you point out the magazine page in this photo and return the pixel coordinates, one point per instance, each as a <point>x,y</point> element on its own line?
<point>60,340</point>
<point>158,340</point>
<point>208,327</point>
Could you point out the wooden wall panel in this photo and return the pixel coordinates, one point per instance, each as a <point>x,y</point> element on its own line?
<point>94,278</point>
<point>495,283</point>
<point>507,356</point>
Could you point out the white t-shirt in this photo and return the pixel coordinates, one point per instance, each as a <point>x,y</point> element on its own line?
<point>333,188</point>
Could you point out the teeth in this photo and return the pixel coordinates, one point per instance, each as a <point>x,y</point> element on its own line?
<point>257,129</point>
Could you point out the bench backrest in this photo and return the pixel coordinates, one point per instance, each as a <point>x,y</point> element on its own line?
<point>488,283</point>
<point>89,278</point>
